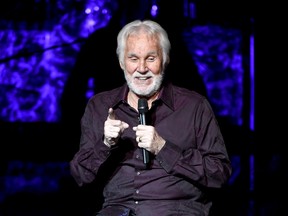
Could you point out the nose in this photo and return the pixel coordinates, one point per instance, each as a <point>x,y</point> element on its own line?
<point>142,67</point>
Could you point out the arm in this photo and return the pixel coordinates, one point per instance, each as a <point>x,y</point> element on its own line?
<point>92,152</point>
<point>205,161</point>
<point>98,136</point>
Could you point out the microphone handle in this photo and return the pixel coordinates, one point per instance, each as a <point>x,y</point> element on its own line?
<point>145,153</point>
<point>145,156</point>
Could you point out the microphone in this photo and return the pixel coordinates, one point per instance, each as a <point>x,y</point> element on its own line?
<point>142,109</point>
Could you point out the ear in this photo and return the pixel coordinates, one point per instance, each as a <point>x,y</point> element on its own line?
<point>121,65</point>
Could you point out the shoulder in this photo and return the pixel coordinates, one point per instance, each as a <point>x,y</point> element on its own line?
<point>177,90</point>
<point>109,98</point>
<point>190,99</point>
<point>181,93</point>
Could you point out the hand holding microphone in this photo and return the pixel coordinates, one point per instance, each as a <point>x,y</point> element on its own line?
<point>147,137</point>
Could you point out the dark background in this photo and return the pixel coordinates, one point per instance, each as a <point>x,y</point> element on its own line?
<point>35,151</point>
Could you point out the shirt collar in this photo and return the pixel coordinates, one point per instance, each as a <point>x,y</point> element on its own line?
<point>166,95</point>
<point>120,96</point>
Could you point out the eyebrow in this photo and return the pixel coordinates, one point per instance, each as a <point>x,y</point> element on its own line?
<point>149,53</point>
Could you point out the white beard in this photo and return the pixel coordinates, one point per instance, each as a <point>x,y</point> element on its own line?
<point>145,91</point>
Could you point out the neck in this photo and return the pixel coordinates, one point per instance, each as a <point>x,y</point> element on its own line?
<point>132,99</point>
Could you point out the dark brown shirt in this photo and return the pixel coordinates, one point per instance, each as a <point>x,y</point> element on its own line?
<point>193,158</point>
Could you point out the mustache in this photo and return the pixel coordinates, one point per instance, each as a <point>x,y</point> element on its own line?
<point>138,74</point>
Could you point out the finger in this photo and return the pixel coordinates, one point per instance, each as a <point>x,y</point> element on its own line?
<point>111,114</point>
<point>124,125</point>
<point>138,139</point>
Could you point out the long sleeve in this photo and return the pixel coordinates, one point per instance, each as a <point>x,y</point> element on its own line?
<point>92,152</point>
<point>199,153</point>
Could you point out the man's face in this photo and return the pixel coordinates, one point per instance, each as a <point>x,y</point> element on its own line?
<point>143,64</point>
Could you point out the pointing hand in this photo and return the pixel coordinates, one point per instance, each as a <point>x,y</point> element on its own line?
<point>113,128</point>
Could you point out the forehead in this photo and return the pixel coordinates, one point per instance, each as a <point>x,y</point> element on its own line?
<point>136,39</point>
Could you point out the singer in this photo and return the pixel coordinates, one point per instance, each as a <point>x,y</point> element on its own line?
<point>174,125</point>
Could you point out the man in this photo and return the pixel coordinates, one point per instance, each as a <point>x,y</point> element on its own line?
<point>177,131</point>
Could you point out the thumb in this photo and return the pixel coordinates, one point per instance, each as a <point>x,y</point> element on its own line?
<point>125,125</point>
<point>111,114</point>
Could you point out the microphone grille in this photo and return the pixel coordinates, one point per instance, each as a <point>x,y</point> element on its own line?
<point>142,105</point>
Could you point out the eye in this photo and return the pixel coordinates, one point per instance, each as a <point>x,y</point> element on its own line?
<point>134,59</point>
<point>151,59</point>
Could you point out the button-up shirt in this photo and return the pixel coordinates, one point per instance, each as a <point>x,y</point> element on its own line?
<point>193,158</point>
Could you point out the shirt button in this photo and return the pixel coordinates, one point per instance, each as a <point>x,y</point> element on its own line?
<point>138,173</point>
<point>137,191</point>
<point>137,156</point>
<point>136,202</point>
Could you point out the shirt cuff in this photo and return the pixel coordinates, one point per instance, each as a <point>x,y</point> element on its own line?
<point>164,156</point>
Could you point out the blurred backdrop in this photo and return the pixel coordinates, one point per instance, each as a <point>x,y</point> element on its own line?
<point>55,54</point>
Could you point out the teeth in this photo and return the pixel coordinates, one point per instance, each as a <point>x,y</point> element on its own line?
<point>143,78</point>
